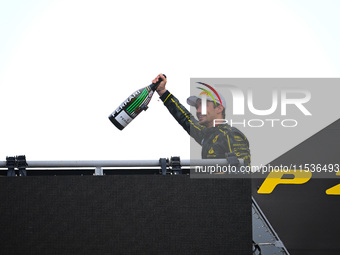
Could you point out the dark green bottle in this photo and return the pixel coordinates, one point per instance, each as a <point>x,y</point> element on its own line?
<point>133,105</point>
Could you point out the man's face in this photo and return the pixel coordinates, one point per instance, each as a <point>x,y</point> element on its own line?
<point>211,114</point>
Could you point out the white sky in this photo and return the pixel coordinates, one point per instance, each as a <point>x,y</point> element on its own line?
<point>66,65</point>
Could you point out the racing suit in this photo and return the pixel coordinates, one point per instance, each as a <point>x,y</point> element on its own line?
<point>215,141</point>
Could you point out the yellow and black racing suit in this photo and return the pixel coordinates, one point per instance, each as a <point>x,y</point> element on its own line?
<point>215,141</point>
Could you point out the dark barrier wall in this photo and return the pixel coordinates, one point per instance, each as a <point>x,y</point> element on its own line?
<point>138,214</point>
<point>303,215</point>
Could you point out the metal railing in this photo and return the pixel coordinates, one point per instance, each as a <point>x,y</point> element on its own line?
<point>98,165</point>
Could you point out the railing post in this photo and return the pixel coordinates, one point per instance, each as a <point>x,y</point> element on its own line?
<point>98,171</point>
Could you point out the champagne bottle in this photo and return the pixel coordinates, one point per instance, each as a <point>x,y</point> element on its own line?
<point>133,105</point>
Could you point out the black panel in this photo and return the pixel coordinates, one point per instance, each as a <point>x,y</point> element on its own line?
<point>115,214</point>
<point>304,216</point>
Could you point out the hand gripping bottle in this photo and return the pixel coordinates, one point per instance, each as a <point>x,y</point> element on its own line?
<point>133,105</point>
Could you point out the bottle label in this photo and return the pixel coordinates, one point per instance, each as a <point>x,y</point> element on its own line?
<point>126,102</point>
<point>123,118</point>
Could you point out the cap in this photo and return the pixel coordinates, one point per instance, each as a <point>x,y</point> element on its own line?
<point>211,94</point>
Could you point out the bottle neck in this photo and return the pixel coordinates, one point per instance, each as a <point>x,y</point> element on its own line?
<point>154,86</point>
